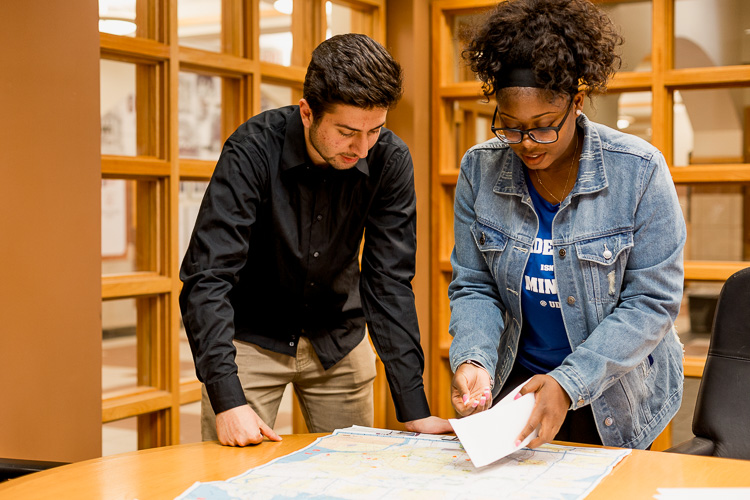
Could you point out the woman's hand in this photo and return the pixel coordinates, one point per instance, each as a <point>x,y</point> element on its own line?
<point>550,408</point>
<point>470,389</point>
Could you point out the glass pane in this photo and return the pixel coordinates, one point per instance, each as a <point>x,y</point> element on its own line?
<point>276,31</point>
<point>682,422</point>
<point>126,344</point>
<point>696,315</point>
<point>472,120</point>
<point>118,17</point>
<point>283,423</point>
<point>191,195</point>
<point>628,111</point>
<point>275,96</point>
<point>118,110</point>
<point>633,19</point>
<point>190,423</point>
<point>119,345</point>
<point>128,108</point>
<point>120,436</point>
<point>715,220</point>
<point>711,33</point>
<point>342,18</point>
<point>124,248</point>
<point>199,24</point>
<point>709,126</point>
<point>461,24</point>
<point>200,116</point>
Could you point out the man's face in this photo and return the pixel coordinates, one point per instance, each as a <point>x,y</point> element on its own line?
<point>341,136</point>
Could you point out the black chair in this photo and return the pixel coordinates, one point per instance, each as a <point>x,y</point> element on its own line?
<point>721,423</point>
<point>11,468</point>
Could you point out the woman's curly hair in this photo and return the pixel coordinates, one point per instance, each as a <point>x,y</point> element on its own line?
<point>567,43</point>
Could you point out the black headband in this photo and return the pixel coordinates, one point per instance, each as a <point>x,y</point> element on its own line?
<point>516,77</point>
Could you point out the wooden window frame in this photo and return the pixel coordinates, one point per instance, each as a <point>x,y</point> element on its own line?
<point>156,401</point>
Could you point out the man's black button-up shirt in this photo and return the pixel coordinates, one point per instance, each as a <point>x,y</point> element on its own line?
<point>274,256</point>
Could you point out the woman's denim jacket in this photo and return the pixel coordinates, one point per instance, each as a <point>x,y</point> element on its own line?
<point>617,247</point>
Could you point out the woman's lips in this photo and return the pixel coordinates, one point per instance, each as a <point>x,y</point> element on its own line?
<point>533,159</point>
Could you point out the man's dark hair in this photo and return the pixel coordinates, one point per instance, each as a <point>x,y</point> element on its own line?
<point>564,42</point>
<point>351,69</point>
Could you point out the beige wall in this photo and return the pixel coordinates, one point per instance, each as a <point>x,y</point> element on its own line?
<point>408,38</point>
<point>50,289</point>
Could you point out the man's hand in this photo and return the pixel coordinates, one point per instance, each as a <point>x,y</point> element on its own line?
<point>241,426</point>
<point>470,390</point>
<point>550,408</point>
<point>429,425</point>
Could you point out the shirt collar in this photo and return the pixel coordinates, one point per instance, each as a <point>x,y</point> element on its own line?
<point>295,147</point>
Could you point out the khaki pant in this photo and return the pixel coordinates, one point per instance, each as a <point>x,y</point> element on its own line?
<point>329,399</point>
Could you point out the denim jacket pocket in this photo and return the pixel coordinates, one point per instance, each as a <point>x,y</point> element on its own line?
<point>490,242</point>
<point>603,262</point>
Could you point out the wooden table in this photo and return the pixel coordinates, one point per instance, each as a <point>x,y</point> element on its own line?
<point>164,473</point>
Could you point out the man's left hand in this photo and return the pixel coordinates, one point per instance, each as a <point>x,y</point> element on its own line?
<point>429,425</point>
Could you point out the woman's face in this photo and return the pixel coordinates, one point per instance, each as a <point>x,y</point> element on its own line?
<point>527,108</point>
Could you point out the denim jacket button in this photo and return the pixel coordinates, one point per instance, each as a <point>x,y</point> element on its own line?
<point>580,401</point>
<point>609,421</point>
<point>607,254</point>
<point>482,239</point>
<point>562,252</point>
<point>571,300</point>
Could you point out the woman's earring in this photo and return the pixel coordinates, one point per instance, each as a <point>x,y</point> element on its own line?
<point>578,112</point>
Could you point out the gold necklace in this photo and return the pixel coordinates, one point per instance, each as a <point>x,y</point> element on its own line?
<point>570,169</point>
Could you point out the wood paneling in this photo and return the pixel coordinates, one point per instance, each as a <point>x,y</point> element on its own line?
<point>50,197</point>
<point>158,171</point>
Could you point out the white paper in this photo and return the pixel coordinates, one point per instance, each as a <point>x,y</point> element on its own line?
<point>490,435</point>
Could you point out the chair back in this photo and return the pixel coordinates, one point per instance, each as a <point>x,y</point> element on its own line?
<point>722,412</point>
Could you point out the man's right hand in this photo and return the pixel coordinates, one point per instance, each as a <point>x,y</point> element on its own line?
<point>241,426</point>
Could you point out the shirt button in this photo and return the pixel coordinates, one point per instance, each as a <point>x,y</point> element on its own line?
<point>312,283</point>
<point>319,217</point>
<point>571,300</point>
<point>609,421</point>
<point>561,252</point>
<point>291,344</point>
<point>316,254</point>
<point>303,331</point>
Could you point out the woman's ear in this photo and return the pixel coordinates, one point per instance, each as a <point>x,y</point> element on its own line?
<point>578,102</point>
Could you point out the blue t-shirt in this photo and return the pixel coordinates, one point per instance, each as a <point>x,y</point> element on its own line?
<point>544,343</point>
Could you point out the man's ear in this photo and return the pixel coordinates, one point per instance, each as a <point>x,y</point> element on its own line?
<point>306,113</point>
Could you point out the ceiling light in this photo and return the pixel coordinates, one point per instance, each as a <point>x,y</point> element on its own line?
<point>116,26</point>
<point>624,121</point>
<point>284,6</point>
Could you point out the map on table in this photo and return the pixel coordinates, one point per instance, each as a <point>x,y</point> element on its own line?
<point>366,463</point>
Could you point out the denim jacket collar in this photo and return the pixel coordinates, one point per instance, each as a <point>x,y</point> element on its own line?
<point>591,174</point>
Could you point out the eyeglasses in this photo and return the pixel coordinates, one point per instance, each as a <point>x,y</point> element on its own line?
<point>542,135</point>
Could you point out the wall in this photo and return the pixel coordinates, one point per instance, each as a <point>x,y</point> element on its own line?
<point>50,331</point>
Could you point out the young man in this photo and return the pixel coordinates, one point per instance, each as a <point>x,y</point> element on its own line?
<point>272,271</point>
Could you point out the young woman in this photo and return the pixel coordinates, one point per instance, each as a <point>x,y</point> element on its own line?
<point>567,267</point>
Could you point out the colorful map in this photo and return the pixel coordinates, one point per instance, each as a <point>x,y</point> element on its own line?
<point>365,463</point>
